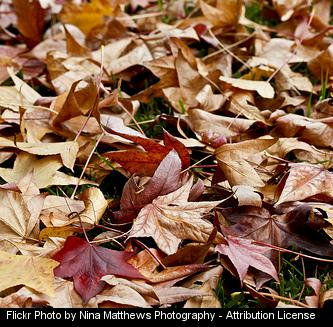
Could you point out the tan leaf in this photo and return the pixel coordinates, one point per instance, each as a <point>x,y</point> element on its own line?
<point>122,294</point>
<point>287,80</point>
<point>34,272</point>
<point>242,104</point>
<point>79,100</point>
<point>201,122</point>
<point>19,217</point>
<point>45,171</point>
<point>57,211</point>
<point>112,51</point>
<point>303,151</point>
<point>135,57</point>
<point>95,205</point>
<point>319,133</point>
<point>246,196</point>
<point>138,285</point>
<point>286,8</point>
<point>169,219</point>
<point>305,181</point>
<point>50,247</point>
<point>170,295</point>
<point>147,266</point>
<point>325,296</point>
<point>322,63</point>
<point>65,295</point>
<point>224,13</point>
<point>208,100</point>
<point>15,301</point>
<point>235,161</point>
<point>66,150</point>
<point>263,88</point>
<point>210,300</point>
<point>27,91</point>
<point>11,97</point>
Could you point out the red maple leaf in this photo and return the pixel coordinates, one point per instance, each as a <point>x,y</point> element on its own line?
<point>144,163</point>
<point>243,254</point>
<point>87,264</point>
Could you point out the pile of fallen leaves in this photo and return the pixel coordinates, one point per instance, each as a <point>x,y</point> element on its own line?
<point>152,151</point>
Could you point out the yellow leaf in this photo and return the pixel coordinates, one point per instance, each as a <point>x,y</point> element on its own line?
<point>88,15</point>
<point>34,272</point>
<point>62,232</point>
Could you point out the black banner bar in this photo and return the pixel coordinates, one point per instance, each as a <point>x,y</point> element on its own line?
<point>188,317</point>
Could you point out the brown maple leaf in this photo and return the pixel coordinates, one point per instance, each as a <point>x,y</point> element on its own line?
<point>170,218</point>
<point>299,227</point>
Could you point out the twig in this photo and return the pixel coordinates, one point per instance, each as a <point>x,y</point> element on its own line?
<point>194,165</point>
<point>151,253</point>
<point>227,50</point>
<point>277,248</point>
<point>278,297</point>
<point>86,165</point>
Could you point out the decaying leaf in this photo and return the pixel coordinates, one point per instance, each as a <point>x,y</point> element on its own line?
<point>299,227</point>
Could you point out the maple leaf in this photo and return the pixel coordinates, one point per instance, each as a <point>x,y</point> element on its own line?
<point>19,214</point>
<point>145,163</point>
<point>243,254</point>
<point>31,271</point>
<point>305,181</point>
<point>169,219</point>
<point>87,263</point>
<point>207,284</point>
<point>299,227</point>
<point>66,150</point>
<point>235,159</point>
<point>166,179</point>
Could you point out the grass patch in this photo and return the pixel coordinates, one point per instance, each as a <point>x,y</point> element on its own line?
<point>259,13</point>
<point>148,114</point>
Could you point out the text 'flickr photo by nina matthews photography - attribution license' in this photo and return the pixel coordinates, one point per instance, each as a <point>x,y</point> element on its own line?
<point>194,316</point>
